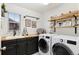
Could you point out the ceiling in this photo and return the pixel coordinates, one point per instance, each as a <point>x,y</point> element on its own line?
<point>39,7</point>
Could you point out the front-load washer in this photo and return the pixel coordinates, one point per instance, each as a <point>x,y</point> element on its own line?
<point>65,45</point>
<point>44,44</point>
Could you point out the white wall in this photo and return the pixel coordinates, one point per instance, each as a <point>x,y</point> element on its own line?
<point>0,45</point>
<point>43,21</point>
<point>22,11</point>
<point>62,8</point>
<point>0,27</point>
<point>0,18</point>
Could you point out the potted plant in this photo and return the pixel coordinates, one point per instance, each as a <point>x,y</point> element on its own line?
<point>3,10</point>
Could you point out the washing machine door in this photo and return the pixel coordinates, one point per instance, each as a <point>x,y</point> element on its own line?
<point>43,45</point>
<point>61,49</point>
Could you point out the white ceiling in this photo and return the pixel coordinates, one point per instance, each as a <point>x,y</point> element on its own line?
<point>39,7</point>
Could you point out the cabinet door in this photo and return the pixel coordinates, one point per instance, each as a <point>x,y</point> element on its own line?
<point>10,47</point>
<point>21,46</point>
<point>36,44</point>
<point>32,45</point>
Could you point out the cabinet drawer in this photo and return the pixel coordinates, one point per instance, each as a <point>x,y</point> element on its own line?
<point>10,50</point>
<point>8,42</point>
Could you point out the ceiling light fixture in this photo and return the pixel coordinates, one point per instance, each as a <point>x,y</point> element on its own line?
<point>45,3</point>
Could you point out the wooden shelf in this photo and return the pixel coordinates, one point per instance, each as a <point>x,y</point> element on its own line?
<point>77,15</point>
<point>65,16</point>
<point>64,27</point>
<point>59,20</point>
<point>77,26</point>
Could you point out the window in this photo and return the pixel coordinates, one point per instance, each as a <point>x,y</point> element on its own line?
<point>14,21</point>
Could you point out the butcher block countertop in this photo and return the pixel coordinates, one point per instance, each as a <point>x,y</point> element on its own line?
<point>2,38</point>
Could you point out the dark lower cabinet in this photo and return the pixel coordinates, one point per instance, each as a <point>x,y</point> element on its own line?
<point>23,46</point>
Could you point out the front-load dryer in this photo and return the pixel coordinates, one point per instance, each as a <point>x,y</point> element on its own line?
<point>65,45</point>
<point>44,44</point>
<point>53,36</point>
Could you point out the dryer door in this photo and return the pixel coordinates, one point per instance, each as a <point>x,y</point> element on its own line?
<point>61,49</point>
<point>43,45</point>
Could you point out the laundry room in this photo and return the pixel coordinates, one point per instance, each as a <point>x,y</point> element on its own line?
<point>39,29</point>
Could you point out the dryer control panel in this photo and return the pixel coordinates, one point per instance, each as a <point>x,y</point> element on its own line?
<point>47,37</point>
<point>71,42</point>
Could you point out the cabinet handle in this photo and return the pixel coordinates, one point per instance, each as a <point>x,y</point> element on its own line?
<point>3,48</point>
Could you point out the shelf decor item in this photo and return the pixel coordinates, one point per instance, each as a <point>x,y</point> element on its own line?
<point>3,10</point>
<point>27,23</point>
<point>65,20</point>
<point>34,25</point>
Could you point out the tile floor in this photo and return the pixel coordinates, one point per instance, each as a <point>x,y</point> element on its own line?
<point>36,53</point>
